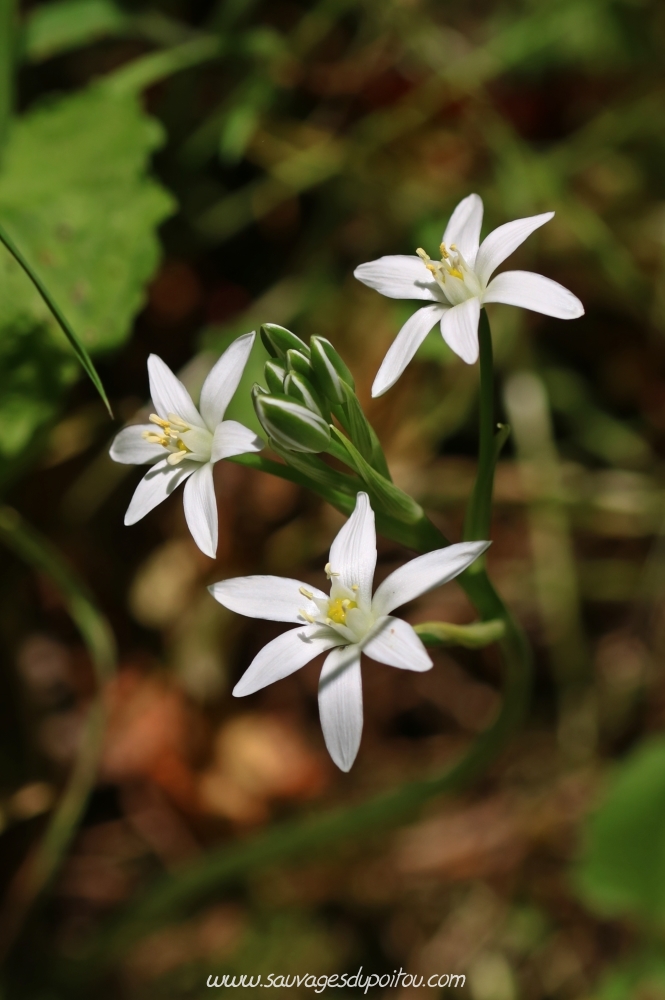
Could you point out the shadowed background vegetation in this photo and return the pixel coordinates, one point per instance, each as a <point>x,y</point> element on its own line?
<point>177,174</point>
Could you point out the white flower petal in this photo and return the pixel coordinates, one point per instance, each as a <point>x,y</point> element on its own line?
<point>405,345</point>
<point>399,277</point>
<point>459,329</point>
<point>353,553</point>
<point>275,598</point>
<point>341,705</point>
<point>503,241</point>
<point>232,438</point>
<point>131,448</point>
<point>395,643</point>
<point>283,656</point>
<point>223,379</point>
<point>157,484</point>
<point>534,291</point>
<point>201,509</point>
<point>169,395</point>
<point>463,230</point>
<point>424,573</point>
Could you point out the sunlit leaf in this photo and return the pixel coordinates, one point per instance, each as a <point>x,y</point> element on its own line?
<point>75,195</point>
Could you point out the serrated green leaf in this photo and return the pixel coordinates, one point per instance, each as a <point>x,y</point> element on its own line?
<point>75,195</point>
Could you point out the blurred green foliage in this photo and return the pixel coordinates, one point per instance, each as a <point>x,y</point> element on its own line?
<point>88,223</point>
<point>298,140</point>
<point>622,870</point>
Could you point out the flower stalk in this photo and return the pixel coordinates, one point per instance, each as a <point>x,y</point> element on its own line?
<point>492,437</point>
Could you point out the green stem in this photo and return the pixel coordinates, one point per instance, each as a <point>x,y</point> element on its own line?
<point>479,511</point>
<point>474,636</point>
<point>41,865</point>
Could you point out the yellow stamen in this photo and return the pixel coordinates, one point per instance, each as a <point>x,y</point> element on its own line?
<point>175,421</point>
<point>443,251</point>
<point>154,438</point>
<point>329,572</point>
<point>355,587</point>
<point>308,618</point>
<point>176,457</point>
<point>305,592</point>
<point>338,608</point>
<point>154,419</point>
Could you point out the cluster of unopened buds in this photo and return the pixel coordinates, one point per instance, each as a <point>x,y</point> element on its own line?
<point>308,407</point>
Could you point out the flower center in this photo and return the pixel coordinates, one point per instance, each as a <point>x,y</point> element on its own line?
<point>338,608</point>
<point>452,274</point>
<point>169,436</point>
<point>333,610</point>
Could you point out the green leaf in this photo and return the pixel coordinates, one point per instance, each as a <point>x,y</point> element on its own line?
<point>59,317</point>
<point>58,27</point>
<point>34,373</point>
<point>622,869</point>
<point>74,194</point>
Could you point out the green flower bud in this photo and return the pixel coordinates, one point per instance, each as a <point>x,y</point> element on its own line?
<point>290,424</point>
<point>258,390</point>
<point>277,340</point>
<point>330,370</point>
<point>274,373</point>
<point>297,362</point>
<point>302,390</point>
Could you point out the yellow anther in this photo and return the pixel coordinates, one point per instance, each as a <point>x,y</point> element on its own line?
<point>306,593</point>
<point>154,438</point>
<point>355,587</point>
<point>176,457</point>
<point>154,419</point>
<point>444,252</point>
<point>175,421</point>
<point>338,608</point>
<point>453,246</point>
<point>425,257</point>
<point>329,572</point>
<point>308,618</point>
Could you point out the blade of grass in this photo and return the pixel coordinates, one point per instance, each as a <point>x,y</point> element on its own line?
<point>59,316</point>
<point>155,66</point>
<point>41,865</point>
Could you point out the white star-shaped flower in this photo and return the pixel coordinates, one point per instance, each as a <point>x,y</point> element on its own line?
<point>182,443</point>
<point>347,621</point>
<point>459,285</point>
